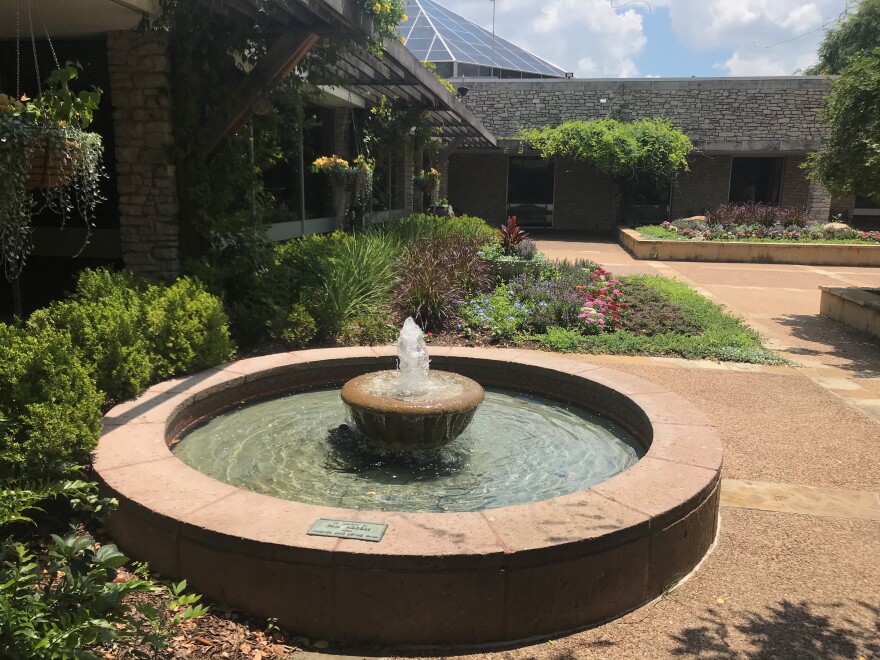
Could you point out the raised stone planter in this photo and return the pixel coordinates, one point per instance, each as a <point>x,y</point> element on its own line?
<point>437,579</point>
<point>811,254</point>
<point>857,308</point>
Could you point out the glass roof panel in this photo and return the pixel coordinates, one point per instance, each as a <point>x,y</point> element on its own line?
<point>459,40</point>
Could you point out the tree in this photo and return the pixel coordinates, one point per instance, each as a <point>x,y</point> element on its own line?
<point>849,159</point>
<point>857,33</point>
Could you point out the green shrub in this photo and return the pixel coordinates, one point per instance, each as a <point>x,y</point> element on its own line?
<point>130,334</point>
<point>105,320</point>
<point>49,398</point>
<point>370,329</point>
<point>412,228</point>
<point>186,327</point>
<point>562,340</point>
<point>296,328</point>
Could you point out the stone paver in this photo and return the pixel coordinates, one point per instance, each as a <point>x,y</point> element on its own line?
<point>787,498</point>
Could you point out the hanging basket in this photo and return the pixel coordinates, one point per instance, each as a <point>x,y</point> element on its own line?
<point>51,165</point>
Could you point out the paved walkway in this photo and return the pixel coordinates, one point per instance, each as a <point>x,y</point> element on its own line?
<point>795,574</point>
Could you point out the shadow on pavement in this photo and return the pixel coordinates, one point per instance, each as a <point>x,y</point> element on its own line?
<point>786,631</point>
<point>860,353</point>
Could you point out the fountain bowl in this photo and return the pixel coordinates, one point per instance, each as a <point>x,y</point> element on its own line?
<point>411,423</point>
<point>448,579</point>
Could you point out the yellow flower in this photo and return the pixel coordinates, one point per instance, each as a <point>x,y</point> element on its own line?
<point>377,7</point>
<point>387,7</point>
<point>403,40</point>
<point>404,18</point>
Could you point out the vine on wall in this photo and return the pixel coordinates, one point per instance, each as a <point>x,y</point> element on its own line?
<point>644,154</point>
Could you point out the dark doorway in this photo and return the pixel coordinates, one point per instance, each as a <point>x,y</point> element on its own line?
<point>756,180</point>
<point>530,183</point>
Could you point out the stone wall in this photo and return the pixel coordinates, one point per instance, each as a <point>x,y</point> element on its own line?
<point>145,173</point>
<point>797,190</point>
<point>719,114</point>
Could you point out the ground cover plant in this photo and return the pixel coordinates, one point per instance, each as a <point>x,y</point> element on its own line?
<point>756,222</point>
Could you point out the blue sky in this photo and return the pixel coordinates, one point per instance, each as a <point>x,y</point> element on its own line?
<point>680,38</point>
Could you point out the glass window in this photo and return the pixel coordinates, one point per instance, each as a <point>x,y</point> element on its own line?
<point>530,183</point>
<point>756,180</point>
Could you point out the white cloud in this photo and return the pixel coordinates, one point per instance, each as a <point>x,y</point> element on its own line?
<point>763,37</point>
<point>588,37</point>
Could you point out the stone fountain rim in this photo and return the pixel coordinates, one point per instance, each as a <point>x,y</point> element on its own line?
<point>679,472</point>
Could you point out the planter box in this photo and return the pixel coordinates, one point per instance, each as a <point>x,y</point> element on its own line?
<point>857,308</point>
<point>810,254</point>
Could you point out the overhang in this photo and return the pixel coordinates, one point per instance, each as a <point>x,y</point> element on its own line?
<point>71,18</point>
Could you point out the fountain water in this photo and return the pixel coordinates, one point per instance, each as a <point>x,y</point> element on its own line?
<point>411,408</point>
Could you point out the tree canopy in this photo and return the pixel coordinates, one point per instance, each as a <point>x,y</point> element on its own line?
<point>856,33</point>
<point>849,160</point>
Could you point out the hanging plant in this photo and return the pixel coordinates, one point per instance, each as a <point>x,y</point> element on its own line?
<point>47,160</point>
<point>352,183</point>
<point>428,182</point>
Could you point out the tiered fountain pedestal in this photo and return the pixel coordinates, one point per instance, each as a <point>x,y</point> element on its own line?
<point>441,579</point>
<point>418,422</point>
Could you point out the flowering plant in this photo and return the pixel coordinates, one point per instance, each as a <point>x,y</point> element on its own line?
<point>603,307</point>
<point>429,182</point>
<point>386,15</point>
<point>352,182</point>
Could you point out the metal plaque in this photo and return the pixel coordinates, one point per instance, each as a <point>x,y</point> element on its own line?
<point>348,529</point>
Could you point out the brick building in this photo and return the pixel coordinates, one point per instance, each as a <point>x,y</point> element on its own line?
<point>751,136</point>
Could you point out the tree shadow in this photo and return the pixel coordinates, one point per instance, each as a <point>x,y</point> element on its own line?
<point>795,631</point>
<point>860,351</point>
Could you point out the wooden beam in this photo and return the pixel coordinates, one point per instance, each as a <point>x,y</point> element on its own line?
<point>281,58</point>
<point>446,151</point>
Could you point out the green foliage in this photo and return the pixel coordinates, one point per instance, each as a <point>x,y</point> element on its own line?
<point>65,148</point>
<point>647,152</point>
<point>368,329</point>
<point>24,497</point>
<point>849,159</point>
<point>186,327</point>
<point>436,274</point>
<point>856,34</point>
<point>416,226</point>
<point>130,334</point>
<point>430,66</point>
<point>66,603</point>
<point>296,327</point>
<point>52,408</point>
<point>357,280</point>
<point>498,312</point>
<point>58,103</point>
<point>105,320</point>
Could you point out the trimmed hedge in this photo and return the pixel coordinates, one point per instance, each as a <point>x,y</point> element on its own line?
<point>49,397</point>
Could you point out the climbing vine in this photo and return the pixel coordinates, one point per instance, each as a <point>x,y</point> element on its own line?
<point>645,153</point>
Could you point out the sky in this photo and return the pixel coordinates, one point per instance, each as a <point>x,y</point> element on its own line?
<point>668,38</point>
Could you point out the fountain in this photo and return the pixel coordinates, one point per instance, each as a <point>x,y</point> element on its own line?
<point>412,408</point>
<point>576,494</point>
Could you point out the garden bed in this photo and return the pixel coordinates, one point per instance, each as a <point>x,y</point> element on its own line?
<point>811,254</point>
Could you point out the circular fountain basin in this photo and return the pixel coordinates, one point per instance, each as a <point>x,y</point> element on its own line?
<point>435,579</point>
<point>434,417</point>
